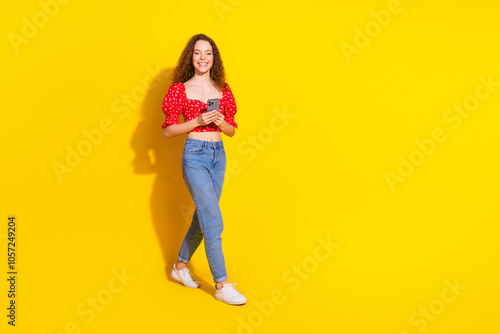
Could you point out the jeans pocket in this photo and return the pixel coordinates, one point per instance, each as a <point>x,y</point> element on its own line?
<point>194,149</point>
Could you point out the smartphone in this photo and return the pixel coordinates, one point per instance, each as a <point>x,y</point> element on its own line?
<point>213,104</point>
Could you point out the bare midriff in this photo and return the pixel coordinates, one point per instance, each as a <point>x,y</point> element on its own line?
<point>207,136</point>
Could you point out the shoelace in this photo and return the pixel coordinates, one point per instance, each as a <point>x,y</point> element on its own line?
<point>187,273</point>
<point>230,288</point>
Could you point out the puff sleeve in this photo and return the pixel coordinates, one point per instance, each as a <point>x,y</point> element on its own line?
<point>230,108</point>
<point>172,104</point>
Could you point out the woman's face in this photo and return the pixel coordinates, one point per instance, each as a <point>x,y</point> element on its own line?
<point>202,56</point>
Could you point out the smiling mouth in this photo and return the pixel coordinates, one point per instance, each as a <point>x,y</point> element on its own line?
<point>203,64</point>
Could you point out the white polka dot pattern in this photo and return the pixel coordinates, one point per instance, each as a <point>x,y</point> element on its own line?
<point>176,103</point>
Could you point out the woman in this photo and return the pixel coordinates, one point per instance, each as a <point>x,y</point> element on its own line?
<point>200,76</point>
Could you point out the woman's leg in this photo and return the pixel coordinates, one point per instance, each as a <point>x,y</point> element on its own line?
<point>191,241</point>
<point>219,171</point>
<point>194,235</point>
<point>203,172</point>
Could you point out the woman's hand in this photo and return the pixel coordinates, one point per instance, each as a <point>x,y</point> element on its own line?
<point>208,117</point>
<point>219,119</point>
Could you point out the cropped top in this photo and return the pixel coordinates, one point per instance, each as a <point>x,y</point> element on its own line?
<point>176,103</point>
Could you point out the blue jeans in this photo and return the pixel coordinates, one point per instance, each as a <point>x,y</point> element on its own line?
<point>203,169</point>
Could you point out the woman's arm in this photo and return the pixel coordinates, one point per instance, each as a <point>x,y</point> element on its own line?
<point>206,118</point>
<point>173,130</point>
<point>226,128</point>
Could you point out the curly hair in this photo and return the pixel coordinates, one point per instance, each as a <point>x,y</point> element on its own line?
<point>185,68</point>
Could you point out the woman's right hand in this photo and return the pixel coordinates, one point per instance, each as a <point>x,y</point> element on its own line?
<point>207,117</point>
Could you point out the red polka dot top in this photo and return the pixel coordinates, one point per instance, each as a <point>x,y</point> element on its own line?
<point>177,103</point>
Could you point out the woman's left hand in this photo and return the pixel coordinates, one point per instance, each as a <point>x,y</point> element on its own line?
<point>220,118</point>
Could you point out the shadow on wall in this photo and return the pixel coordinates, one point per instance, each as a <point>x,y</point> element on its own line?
<point>172,207</point>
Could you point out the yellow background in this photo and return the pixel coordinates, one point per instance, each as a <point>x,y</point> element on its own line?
<point>321,174</point>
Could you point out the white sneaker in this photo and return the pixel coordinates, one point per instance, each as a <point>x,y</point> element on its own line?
<point>184,276</point>
<point>228,294</point>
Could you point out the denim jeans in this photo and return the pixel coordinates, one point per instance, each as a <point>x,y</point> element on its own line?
<point>203,169</point>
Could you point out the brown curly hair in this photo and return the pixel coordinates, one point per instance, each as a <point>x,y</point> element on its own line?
<point>185,68</point>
